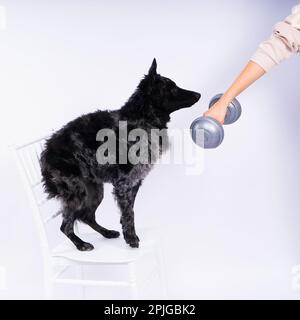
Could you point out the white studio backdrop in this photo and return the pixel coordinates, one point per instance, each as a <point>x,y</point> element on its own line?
<point>232,232</point>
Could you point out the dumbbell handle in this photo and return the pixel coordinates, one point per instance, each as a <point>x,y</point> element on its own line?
<point>234,109</point>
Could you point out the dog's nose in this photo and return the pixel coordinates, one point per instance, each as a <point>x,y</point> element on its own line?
<point>197,96</point>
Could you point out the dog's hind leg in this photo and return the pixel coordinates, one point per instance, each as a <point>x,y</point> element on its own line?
<point>109,234</point>
<point>73,204</point>
<point>95,196</point>
<point>125,195</point>
<point>67,228</point>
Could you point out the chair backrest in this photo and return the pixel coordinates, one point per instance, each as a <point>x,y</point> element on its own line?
<point>28,160</point>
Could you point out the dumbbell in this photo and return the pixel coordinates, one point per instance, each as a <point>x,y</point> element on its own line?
<point>207,132</point>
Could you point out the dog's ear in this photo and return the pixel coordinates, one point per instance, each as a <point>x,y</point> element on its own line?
<point>152,70</point>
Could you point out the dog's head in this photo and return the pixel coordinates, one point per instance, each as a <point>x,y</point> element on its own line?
<point>164,94</point>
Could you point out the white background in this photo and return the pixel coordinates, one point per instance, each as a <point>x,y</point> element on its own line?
<point>232,232</point>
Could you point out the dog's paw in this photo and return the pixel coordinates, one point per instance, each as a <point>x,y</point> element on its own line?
<point>111,234</point>
<point>133,241</point>
<point>85,246</point>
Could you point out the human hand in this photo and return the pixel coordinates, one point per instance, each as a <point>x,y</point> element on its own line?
<point>218,110</point>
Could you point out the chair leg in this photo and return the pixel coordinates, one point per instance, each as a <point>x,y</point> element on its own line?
<point>80,276</point>
<point>161,271</point>
<point>48,288</point>
<point>48,281</point>
<point>133,281</point>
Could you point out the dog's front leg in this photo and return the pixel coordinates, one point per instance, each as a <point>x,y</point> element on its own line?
<point>125,196</point>
<point>127,221</point>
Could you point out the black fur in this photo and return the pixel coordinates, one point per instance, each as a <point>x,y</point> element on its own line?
<point>70,169</point>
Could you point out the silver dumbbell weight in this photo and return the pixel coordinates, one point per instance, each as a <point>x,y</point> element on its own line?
<point>207,132</point>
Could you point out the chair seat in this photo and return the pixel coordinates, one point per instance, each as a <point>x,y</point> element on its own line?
<point>106,251</point>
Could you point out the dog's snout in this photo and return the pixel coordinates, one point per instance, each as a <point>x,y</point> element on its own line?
<point>197,96</point>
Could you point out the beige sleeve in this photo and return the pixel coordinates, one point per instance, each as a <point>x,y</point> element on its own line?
<point>283,43</point>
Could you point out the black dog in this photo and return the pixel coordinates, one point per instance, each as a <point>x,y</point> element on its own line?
<point>72,173</point>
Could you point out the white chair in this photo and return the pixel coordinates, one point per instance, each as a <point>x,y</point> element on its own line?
<point>58,257</point>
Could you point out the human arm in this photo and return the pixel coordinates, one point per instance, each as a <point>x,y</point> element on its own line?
<point>284,42</point>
